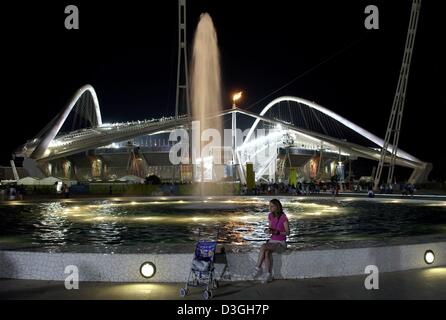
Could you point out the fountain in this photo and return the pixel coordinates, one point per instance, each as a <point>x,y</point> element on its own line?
<point>206,96</point>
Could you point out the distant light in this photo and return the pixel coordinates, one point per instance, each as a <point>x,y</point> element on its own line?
<point>133,203</point>
<point>429,257</point>
<point>147,270</point>
<point>237,96</point>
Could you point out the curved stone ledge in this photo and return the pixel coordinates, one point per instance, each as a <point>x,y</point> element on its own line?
<point>175,267</point>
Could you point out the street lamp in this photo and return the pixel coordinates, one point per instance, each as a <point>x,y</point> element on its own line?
<point>236,97</point>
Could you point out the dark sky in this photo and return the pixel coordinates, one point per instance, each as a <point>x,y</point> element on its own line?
<point>128,51</point>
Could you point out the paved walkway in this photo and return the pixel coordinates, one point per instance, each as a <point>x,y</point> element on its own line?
<point>414,284</point>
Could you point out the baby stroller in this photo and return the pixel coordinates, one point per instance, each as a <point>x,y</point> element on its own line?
<point>202,269</point>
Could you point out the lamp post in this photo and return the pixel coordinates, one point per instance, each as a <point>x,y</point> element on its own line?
<point>235,98</point>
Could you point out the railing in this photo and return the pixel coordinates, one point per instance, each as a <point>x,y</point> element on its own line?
<point>93,133</point>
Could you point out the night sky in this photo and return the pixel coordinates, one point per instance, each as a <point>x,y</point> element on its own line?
<point>128,52</point>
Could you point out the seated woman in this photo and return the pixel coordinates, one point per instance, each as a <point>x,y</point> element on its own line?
<point>279,229</point>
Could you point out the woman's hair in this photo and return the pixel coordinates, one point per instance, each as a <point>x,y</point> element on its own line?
<point>278,205</point>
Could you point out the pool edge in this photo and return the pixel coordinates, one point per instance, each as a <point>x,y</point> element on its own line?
<point>174,267</point>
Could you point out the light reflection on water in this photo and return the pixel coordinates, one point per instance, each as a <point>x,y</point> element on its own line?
<point>120,222</point>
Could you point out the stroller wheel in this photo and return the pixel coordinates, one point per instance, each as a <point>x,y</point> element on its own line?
<point>214,284</point>
<point>183,292</point>
<point>207,294</point>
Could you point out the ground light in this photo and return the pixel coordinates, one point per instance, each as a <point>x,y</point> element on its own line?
<point>147,270</point>
<point>429,257</point>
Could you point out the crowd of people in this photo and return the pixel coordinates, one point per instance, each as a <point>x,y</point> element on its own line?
<point>301,188</point>
<point>12,192</point>
<point>405,189</point>
<point>17,192</point>
<point>311,188</point>
<point>408,189</point>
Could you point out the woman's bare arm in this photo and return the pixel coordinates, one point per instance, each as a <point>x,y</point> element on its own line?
<point>270,227</point>
<point>287,228</point>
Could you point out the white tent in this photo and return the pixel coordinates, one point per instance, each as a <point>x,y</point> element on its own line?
<point>131,179</point>
<point>28,181</point>
<point>49,181</point>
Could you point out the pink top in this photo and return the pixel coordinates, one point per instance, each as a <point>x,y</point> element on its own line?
<point>278,224</point>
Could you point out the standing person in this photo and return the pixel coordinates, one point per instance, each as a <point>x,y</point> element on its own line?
<point>20,192</point>
<point>370,193</point>
<point>278,229</point>
<point>411,189</point>
<point>66,191</point>
<point>12,193</point>
<point>2,194</point>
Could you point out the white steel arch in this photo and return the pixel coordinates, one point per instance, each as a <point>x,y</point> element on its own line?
<point>366,134</point>
<point>59,120</point>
